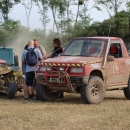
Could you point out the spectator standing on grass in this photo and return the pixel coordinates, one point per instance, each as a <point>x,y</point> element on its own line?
<point>56,51</point>
<point>57,48</point>
<point>40,47</point>
<point>25,90</point>
<point>31,56</point>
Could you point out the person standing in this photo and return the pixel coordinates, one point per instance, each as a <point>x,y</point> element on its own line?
<point>57,48</point>
<point>56,51</point>
<point>40,47</point>
<point>25,90</point>
<point>31,57</point>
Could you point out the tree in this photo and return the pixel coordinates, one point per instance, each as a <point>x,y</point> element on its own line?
<point>28,7</point>
<point>54,4</point>
<point>119,27</point>
<point>82,10</point>
<point>80,2</point>
<point>112,6</point>
<point>128,5</point>
<point>43,10</point>
<point>6,6</point>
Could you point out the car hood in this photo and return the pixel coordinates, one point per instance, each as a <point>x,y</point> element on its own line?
<point>73,59</point>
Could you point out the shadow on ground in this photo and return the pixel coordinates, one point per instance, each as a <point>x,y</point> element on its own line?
<point>70,98</point>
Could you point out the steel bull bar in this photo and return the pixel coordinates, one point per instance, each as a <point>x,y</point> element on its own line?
<point>58,80</point>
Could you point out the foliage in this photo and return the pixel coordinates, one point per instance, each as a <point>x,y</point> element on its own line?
<point>5,6</point>
<point>68,24</point>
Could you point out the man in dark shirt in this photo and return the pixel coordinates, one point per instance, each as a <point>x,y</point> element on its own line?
<point>56,51</point>
<point>57,48</point>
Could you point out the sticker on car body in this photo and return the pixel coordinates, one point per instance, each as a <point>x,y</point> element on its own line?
<point>128,61</point>
<point>95,66</point>
<point>69,59</point>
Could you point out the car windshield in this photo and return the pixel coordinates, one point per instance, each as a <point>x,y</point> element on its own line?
<point>85,47</point>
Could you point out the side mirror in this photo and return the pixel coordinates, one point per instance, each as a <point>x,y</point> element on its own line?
<point>110,58</point>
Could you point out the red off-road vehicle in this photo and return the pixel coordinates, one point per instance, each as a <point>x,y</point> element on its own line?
<point>89,66</point>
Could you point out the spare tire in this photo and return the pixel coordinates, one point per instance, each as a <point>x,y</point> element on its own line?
<point>16,61</point>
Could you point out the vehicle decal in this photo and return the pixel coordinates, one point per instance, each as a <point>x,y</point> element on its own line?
<point>68,59</point>
<point>115,68</point>
<point>83,61</point>
<point>128,61</point>
<point>70,64</point>
<point>95,66</point>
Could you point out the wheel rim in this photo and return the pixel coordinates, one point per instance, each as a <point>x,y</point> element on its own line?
<point>95,90</point>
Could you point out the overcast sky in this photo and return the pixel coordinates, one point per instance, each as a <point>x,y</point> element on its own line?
<point>18,13</point>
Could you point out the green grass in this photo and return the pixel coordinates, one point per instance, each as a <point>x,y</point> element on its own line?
<point>70,113</point>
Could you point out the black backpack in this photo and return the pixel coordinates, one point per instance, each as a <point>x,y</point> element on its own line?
<point>31,57</point>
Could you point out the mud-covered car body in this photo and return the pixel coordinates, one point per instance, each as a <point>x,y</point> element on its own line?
<point>11,79</point>
<point>89,66</point>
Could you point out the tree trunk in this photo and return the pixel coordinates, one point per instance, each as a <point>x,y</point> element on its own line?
<point>43,13</point>
<point>5,15</point>
<point>76,19</point>
<point>28,13</point>
<point>44,19</point>
<point>53,26</point>
<point>68,16</point>
<point>116,7</point>
<point>53,13</point>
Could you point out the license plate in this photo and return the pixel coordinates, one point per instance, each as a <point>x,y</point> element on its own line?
<point>54,80</point>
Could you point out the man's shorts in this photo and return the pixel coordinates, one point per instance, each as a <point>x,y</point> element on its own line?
<point>30,78</point>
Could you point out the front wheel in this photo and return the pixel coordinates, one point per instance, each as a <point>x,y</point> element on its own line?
<point>94,91</point>
<point>12,91</point>
<point>127,91</point>
<point>44,93</point>
<point>16,61</point>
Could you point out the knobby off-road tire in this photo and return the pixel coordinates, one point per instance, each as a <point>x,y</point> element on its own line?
<point>94,91</point>
<point>45,94</point>
<point>12,91</point>
<point>16,60</point>
<point>127,91</point>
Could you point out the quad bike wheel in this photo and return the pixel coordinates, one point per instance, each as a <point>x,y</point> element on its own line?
<point>12,91</point>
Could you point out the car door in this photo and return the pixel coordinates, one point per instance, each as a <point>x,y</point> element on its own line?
<point>116,70</point>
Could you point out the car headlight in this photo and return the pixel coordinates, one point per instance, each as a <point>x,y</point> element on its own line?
<point>61,68</point>
<point>42,68</point>
<point>76,70</point>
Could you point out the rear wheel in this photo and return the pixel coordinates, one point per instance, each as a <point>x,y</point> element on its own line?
<point>94,91</point>
<point>12,91</point>
<point>127,91</point>
<point>44,93</point>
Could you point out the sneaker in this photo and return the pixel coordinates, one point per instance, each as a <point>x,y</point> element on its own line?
<point>26,98</point>
<point>31,97</point>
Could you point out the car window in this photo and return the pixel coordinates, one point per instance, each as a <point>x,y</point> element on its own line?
<point>84,47</point>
